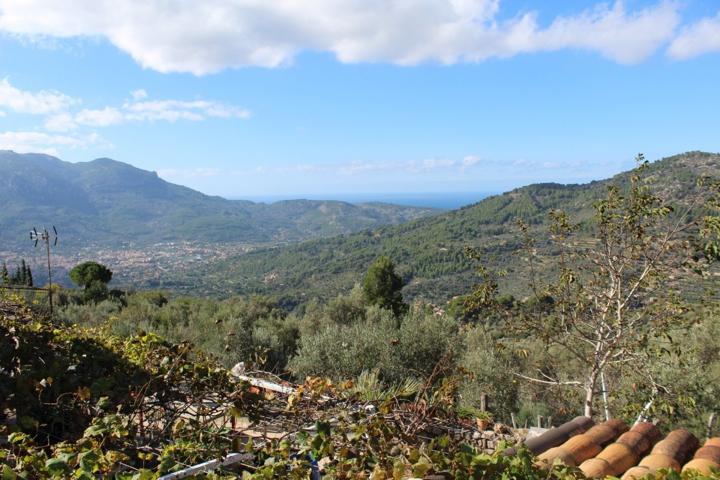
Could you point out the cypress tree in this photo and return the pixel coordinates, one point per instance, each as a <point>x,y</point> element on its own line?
<point>383,287</point>
<point>22,280</point>
<point>4,274</point>
<point>28,277</point>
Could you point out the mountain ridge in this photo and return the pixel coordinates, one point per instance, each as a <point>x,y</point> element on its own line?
<point>106,202</point>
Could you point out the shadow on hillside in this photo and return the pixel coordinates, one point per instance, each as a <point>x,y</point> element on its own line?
<point>52,378</point>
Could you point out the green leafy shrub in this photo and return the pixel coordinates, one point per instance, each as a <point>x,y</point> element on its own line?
<point>378,343</point>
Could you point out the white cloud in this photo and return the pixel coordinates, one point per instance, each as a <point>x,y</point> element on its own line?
<point>61,122</point>
<point>614,33</point>
<point>470,160</point>
<point>173,110</point>
<point>433,163</point>
<point>104,117</point>
<point>59,116</point>
<point>139,94</point>
<point>212,35</point>
<point>552,165</point>
<point>431,166</point>
<point>159,110</point>
<point>42,102</point>
<point>44,142</point>
<point>355,168</point>
<point>697,39</point>
<point>189,173</point>
<point>361,167</point>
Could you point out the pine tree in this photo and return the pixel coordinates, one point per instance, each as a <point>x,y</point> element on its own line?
<point>93,277</point>
<point>17,276</point>
<point>382,286</point>
<point>28,277</point>
<point>22,279</point>
<point>4,274</point>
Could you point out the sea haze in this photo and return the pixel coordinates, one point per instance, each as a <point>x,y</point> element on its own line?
<point>442,200</point>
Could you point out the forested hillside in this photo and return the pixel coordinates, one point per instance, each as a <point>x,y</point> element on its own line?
<point>106,203</point>
<point>429,252</point>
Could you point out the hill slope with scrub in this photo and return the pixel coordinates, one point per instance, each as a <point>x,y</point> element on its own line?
<point>430,252</point>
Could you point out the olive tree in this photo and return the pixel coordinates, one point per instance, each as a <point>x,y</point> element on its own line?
<point>615,299</point>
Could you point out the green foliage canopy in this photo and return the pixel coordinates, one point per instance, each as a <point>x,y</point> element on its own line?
<point>93,277</point>
<point>87,273</point>
<point>383,287</point>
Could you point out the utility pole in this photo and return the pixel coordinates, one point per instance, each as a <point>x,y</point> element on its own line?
<point>45,237</point>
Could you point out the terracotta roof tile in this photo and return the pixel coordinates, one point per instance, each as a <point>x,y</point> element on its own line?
<point>610,449</point>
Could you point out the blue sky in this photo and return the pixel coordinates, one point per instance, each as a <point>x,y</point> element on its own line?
<point>259,98</point>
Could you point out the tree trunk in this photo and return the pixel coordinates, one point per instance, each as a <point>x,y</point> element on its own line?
<point>590,393</point>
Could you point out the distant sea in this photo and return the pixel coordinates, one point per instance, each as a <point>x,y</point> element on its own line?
<point>445,201</point>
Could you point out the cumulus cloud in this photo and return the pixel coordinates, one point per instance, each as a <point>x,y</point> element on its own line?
<point>614,33</point>
<point>44,142</point>
<point>139,94</point>
<point>144,111</point>
<point>42,102</point>
<point>104,117</point>
<point>61,122</point>
<point>697,39</point>
<point>61,116</point>
<point>212,35</point>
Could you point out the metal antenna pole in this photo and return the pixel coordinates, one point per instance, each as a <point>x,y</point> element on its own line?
<point>45,237</point>
<point>47,247</point>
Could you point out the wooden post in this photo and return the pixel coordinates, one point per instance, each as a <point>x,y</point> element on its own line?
<point>512,418</point>
<point>539,421</point>
<point>483,402</point>
<point>47,245</point>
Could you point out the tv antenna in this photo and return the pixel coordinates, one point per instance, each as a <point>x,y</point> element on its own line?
<point>45,237</point>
